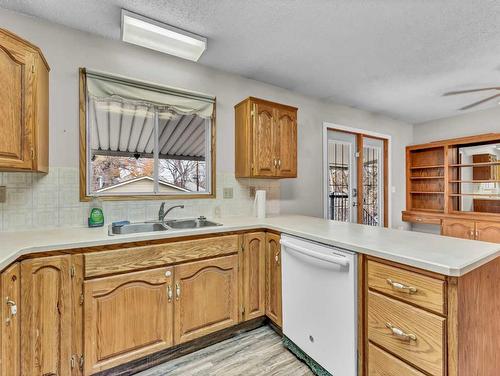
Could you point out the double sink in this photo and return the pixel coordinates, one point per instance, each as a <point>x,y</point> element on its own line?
<point>174,224</point>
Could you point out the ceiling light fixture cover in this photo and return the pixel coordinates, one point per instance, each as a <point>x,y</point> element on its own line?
<point>145,32</point>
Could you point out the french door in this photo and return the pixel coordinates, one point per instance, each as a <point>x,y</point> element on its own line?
<point>356,178</point>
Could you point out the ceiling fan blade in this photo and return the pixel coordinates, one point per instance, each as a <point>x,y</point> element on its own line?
<point>479,102</point>
<point>470,91</point>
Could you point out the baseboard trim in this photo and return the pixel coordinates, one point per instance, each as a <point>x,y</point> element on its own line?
<point>171,353</point>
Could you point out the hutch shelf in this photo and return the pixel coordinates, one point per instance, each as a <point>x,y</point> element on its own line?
<point>455,183</point>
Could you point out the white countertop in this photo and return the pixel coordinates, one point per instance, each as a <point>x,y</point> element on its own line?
<point>444,255</point>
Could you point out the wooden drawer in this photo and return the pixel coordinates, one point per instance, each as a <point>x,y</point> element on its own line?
<point>137,258</point>
<point>424,291</point>
<point>381,363</point>
<point>425,350</point>
<point>421,218</point>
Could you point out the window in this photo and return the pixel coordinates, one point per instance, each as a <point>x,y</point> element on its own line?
<point>143,140</point>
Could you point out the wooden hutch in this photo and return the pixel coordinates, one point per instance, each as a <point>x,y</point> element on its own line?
<point>455,184</point>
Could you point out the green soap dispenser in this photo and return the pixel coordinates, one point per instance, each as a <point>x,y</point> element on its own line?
<point>96,216</point>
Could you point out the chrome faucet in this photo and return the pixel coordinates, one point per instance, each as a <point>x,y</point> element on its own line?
<point>162,213</point>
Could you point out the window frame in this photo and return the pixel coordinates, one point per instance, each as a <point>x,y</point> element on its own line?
<point>84,194</point>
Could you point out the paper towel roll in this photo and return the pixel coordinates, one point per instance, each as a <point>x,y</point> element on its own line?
<point>260,204</point>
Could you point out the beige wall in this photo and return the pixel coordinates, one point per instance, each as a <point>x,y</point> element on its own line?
<point>472,123</point>
<point>66,50</point>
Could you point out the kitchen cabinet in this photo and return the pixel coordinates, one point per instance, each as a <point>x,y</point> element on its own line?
<point>49,316</point>
<point>112,304</point>
<point>469,229</point>
<point>24,105</point>
<point>266,139</point>
<point>206,297</point>
<point>488,231</point>
<point>254,275</point>
<point>416,321</point>
<point>273,278</point>
<point>458,228</point>
<point>10,281</point>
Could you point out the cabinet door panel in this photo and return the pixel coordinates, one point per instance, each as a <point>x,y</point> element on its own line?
<point>206,297</point>
<point>16,102</point>
<point>264,153</point>
<point>488,231</point>
<point>286,142</point>
<point>273,280</point>
<point>458,228</point>
<point>126,317</point>
<point>46,316</point>
<point>254,275</point>
<point>10,335</point>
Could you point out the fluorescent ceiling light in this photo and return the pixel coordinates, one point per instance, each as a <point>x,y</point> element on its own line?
<point>158,36</point>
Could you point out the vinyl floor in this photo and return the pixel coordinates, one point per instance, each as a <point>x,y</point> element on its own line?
<point>255,353</point>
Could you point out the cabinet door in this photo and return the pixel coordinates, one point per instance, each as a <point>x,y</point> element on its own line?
<point>206,297</point>
<point>126,317</point>
<point>286,142</point>
<point>488,231</point>
<point>273,278</point>
<point>458,228</point>
<point>46,316</point>
<point>10,331</point>
<point>264,153</point>
<point>254,275</point>
<point>16,98</point>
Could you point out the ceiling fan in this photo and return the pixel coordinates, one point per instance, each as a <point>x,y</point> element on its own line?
<point>474,91</point>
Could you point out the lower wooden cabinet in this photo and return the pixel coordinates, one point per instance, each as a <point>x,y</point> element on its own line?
<point>206,297</point>
<point>10,284</point>
<point>48,286</point>
<point>127,316</point>
<point>254,275</point>
<point>488,231</point>
<point>381,363</point>
<point>470,229</point>
<point>458,228</point>
<point>273,278</point>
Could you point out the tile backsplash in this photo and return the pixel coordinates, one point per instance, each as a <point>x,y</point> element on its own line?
<point>52,200</point>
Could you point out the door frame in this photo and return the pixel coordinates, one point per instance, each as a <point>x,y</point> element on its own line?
<point>387,164</point>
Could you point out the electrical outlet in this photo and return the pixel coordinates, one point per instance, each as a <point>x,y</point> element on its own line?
<point>227,193</point>
<point>3,193</point>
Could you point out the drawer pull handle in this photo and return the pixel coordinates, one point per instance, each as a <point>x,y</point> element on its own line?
<point>400,333</point>
<point>402,287</point>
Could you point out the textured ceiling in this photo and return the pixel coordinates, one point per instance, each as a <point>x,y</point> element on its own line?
<point>390,56</point>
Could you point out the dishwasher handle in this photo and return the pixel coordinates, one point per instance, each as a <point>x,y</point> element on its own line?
<point>328,258</point>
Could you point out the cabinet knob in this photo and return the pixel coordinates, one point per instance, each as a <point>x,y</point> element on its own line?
<point>168,273</point>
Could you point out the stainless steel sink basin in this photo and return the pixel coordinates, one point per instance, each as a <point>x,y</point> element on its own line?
<point>125,227</point>
<point>190,223</point>
<point>133,228</point>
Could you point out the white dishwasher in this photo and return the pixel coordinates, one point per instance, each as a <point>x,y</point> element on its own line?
<point>320,304</point>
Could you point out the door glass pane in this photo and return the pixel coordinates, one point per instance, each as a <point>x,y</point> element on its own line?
<point>373,182</point>
<point>341,176</point>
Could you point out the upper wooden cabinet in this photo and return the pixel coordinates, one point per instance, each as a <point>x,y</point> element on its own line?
<point>266,139</point>
<point>24,105</point>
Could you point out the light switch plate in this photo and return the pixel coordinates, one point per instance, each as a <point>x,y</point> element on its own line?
<point>227,192</point>
<point>3,193</point>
